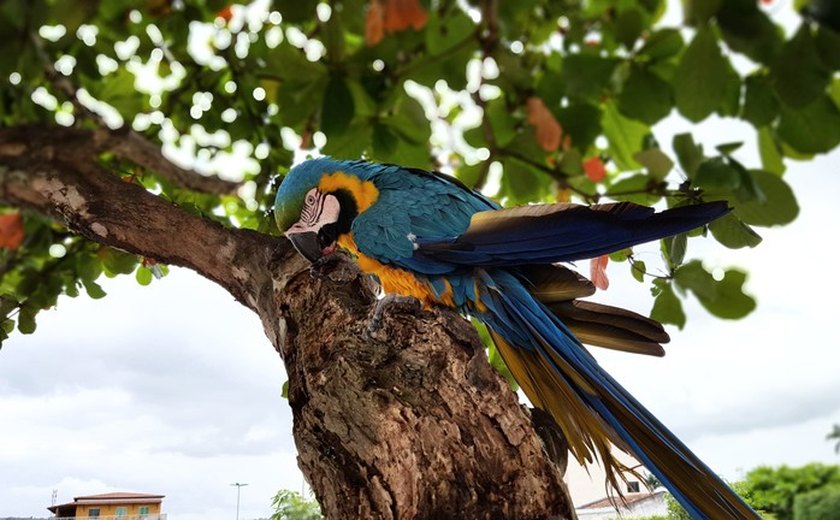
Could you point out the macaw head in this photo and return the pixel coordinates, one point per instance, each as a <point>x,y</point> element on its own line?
<point>318,200</point>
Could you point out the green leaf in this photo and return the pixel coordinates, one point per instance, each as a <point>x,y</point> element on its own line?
<point>93,289</point>
<point>351,143</point>
<point>698,12</point>
<point>777,207</point>
<point>7,326</point>
<point>730,106</point>
<point>288,63</point>
<point>586,75</point>
<point>826,12</point>
<point>812,129</point>
<point>798,74</point>
<point>828,41</point>
<point>724,298</point>
<point>496,361</point>
<point>384,142</point>
<point>717,175</point>
<point>662,44</point>
<point>655,162</point>
<point>284,391</point>
<point>760,104</point>
<point>834,92</point>
<point>89,267</point>
<point>638,270</point>
<point>674,248</point>
<point>701,78</point>
<point>299,11</point>
<point>338,109</point>
<point>625,137</point>
<point>118,262</point>
<point>634,189</point>
<point>582,122</point>
<point>667,308</point>
<point>501,121</point>
<point>119,92</point>
<point>520,182</point>
<point>571,163</point>
<point>748,29</point>
<point>621,255</point>
<point>730,231</point>
<point>729,148</point>
<point>645,96</point>
<point>144,275</point>
<point>471,174</point>
<point>443,34</point>
<point>26,319</point>
<point>768,149</point>
<point>689,154</point>
<point>627,27</point>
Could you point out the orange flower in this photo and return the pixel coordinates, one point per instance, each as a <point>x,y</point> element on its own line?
<point>402,14</point>
<point>11,230</point>
<point>392,16</point>
<point>374,23</point>
<point>598,272</point>
<point>547,129</point>
<point>225,13</point>
<point>594,169</point>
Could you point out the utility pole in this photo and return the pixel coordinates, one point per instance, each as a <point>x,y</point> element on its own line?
<point>239,487</point>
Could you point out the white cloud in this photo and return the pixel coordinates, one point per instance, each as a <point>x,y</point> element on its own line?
<point>170,389</point>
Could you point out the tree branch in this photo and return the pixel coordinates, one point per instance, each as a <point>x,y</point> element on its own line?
<point>55,171</point>
<point>127,143</point>
<point>412,423</point>
<point>132,146</point>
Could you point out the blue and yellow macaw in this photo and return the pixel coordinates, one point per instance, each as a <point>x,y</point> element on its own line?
<point>426,235</point>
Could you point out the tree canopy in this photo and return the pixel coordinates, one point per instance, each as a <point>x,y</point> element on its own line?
<point>550,100</point>
<point>203,105</point>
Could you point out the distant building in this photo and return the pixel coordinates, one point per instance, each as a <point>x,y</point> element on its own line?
<point>112,506</point>
<point>634,506</point>
<point>591,495</point>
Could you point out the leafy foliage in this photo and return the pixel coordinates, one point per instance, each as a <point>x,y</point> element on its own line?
<point>291,505</point>
<point>821,504</point>
<point>775,490</point>
<point>675,510</point>
<point>559,96</point>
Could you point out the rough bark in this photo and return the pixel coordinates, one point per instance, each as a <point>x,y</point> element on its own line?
<point>408,421</point>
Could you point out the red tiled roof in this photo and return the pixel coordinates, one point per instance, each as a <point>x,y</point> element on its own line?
<point>118,494</point>
<point>628,499</point>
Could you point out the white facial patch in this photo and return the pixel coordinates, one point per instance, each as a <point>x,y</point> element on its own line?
<point>319,209</point>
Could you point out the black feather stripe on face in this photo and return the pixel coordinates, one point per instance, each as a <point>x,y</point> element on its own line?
<point>329,233</point>
<point>349,210</point>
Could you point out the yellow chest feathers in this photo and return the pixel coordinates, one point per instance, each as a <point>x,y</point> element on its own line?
<point>395,280</point>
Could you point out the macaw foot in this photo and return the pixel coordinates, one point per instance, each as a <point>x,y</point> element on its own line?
<point>408,303</point>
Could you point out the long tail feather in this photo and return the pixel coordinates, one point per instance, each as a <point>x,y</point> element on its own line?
<point>560,376</point>
<point>563,232</point>
<point>611,327</point>
<point>592,323</point>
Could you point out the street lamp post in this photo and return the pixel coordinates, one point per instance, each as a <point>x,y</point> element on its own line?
<point>239,487</point>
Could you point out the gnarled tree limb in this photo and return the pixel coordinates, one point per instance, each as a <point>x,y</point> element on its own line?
<point>410,423</point>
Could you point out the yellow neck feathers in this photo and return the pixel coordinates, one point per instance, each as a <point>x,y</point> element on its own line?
<point>364,192</point>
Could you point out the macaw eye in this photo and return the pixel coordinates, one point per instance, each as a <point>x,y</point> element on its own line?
<point>310,199</point>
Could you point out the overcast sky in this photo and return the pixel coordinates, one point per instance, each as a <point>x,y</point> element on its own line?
<point>174,389</point>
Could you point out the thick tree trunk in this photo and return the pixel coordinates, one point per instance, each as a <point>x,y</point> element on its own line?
<point>408,421</point>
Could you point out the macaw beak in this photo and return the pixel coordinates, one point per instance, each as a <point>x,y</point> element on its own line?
<point>307,244</point>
